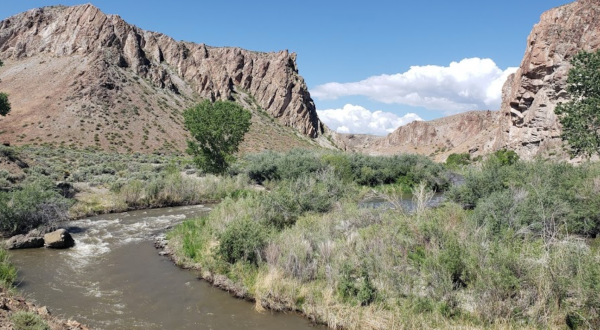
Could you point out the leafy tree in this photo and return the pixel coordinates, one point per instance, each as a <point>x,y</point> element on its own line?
<point>4,104</point>
<point>580,117</point>
<point>218,129</point>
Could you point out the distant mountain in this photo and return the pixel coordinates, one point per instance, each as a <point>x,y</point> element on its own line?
<point>472,132</point>
<point>79,77</point>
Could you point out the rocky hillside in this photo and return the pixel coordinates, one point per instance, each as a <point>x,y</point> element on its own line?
<point>526,122</point>
<point>79,77</point>
<point>466,132</point>
<point>529,125</point>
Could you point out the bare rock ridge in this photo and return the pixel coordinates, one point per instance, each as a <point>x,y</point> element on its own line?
<point>102,54</point>
<point>529,125</point>
<point>465,132</point>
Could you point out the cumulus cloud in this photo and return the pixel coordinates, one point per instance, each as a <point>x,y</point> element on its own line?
<point>358,120</point>
<point>471,84</point>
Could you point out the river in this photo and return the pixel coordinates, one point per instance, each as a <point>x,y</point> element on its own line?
<point>114,279</point>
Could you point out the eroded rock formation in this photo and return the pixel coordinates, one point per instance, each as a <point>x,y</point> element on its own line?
<point>472,132</point>
<point>529,125</point>
<point>83,54</point>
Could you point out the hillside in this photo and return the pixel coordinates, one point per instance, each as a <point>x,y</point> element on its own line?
<point>78,77</point>
<point>465,132</point>
<point>526,122</point>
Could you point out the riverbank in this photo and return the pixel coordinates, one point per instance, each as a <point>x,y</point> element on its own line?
<point>513,247</point>
<point>103,281</point>
<point>16,310</point>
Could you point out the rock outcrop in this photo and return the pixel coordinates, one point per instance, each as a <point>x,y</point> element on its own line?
<point>59,239</point>
<point>472,132</point>
<point>529,125</point>
<point>86,68</point>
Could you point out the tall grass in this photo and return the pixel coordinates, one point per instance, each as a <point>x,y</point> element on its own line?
<point>8,272</point>
<point>514,261</point>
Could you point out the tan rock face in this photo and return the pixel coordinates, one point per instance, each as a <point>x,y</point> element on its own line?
<point>529,125</point>
<point>103,47</point>
<point>472,132</point>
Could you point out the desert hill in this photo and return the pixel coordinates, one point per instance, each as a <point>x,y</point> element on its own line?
<point>78,77</point>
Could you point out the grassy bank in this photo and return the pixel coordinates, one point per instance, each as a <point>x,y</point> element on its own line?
<point>50,185</point>
<point>515,247</point>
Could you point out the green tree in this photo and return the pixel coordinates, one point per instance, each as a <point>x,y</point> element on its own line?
<point>4,104</point>
<point>580,117</point>
<point>217,129</point>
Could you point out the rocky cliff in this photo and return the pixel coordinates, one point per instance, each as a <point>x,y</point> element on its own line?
<point>71,69</point>
<point>529,125</point>
<point>472,132</point>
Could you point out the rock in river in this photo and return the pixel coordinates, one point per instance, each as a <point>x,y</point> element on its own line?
<point>60,239</point>
<point>24,242</point>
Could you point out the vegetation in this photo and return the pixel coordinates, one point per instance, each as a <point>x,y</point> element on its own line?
<point>8,272</point>
<point>405,171</point>
<point>455,160</point>
<point>579,117</point>
<point>95,182</point>
<point>218,129</point>
<point>35,203</point>
<point>514,246</point>
<point>28,321</point>
<point>4,103</point>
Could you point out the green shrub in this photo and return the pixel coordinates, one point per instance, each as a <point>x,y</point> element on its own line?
<point>452,258</point>
<point>355,286</point>
<point>8,152</point>
<point>243,240</point>
<point>505,157</point>
<point>539,197</point>
<point>36,203</point>
<point>479,183</point>
<point>308,193</point>
<point>362,169</point>
<point>28,321</point>
<point>8,272</point>
<point>455,160</point>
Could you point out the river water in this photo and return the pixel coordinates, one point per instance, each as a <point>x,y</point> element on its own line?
<point>114,279</point>
<point>406,202</point>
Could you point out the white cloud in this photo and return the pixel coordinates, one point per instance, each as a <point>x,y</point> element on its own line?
<point>471,84</point>
<point>358,120</point>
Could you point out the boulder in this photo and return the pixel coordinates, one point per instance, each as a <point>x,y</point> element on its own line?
<point>41,231</point>
<point>24,242</point>
<point>60,239</point>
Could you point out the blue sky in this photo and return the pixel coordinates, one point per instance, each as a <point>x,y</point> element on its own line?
<point>356,56</point>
